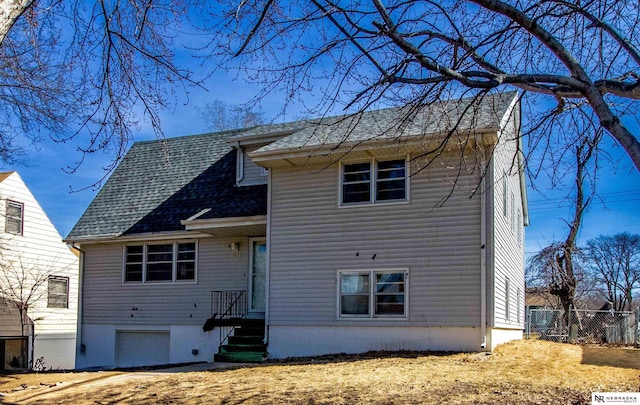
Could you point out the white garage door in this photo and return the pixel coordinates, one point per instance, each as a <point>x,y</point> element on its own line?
<point>141,348</point>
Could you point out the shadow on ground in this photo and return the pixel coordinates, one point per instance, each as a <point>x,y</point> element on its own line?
<point>611,356</point>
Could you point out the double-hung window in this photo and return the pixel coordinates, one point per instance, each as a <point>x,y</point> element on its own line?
<point>372,294</point>
<point>374,181</point>
<point>58,292</point>
<point>14,217</point>
<point>160,262</point>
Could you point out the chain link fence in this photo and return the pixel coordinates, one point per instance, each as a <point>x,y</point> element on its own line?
<point>584,326</point>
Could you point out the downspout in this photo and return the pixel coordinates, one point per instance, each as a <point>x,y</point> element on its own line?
<point>239,163</point>
<point>268,264</point>
<point>80,347</point>
<point>483,254</point>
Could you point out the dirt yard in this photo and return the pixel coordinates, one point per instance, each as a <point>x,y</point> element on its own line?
<point>524,372</point>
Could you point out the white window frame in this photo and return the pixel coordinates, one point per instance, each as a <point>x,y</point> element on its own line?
<point>371,315</point>
<point>505,197</point>
<point>507,300</point>
<point>174,262</point>
<point>513,212</point>
<point>373,182</point>
<point>520,230</point>
<point>66,294</point>
<point>8,217</point>
<point>518,305</point>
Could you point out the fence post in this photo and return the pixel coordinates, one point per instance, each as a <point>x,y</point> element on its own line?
<point>636,343</point>
<point>570,325</point>
<point>528,327</point>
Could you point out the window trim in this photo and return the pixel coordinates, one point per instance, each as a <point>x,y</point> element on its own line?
<point>371,316</point>
<point>518,305</point>
<point>505,197</point>
<point>7,217</point>
<point>507,300</point>
<point>66,295</point>
<point>373,182</point>
<point>174,262</point>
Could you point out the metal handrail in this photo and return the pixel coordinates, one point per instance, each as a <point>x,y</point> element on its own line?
<point>228,305</point>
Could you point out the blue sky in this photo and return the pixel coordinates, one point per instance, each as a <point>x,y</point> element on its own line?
<point>615,211</point>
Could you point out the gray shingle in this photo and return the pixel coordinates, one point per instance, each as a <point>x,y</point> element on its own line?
<point>149,192</point>
<point>160,183</point>
<point>463,115</point>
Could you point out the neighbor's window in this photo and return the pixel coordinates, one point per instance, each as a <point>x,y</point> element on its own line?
<point>159,262</point>
<point>14,217</point>
<point>374,181</point>
<point>372,294</point>
<point>58,292</point>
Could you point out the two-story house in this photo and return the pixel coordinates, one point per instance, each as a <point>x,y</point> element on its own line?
<point>384,230</point>
<point>38,284</point>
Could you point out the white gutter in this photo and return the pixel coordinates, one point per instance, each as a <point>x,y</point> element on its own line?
<point>79,345</point>
<point>482,136</point>
<point>239,163</point>
<point>268,259</point>
<point>483,253</point>
<point>523,186</point>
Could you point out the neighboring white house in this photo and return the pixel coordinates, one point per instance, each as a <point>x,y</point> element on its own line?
<point>40,273</point>
<point>308,238</point>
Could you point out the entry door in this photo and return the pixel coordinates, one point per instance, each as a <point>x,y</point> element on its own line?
<point>258,279</point>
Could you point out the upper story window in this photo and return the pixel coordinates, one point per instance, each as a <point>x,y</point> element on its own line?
<point>14,217</point>
<point>58,292</point>
<point>373,294</point>
<point>375,181</point>
<point>160,262</point>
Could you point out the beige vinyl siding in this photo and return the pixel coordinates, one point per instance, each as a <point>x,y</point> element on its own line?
<point>312,239</point>
<point>107,300</point>
<point>252,172</point>
<point>39,250</point>
<point>508,258</point>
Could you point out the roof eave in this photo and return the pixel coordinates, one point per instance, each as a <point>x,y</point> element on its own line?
<point>147,236</point>
<point>209,223</point>
<point>485,136</point>
<point>243,140</point>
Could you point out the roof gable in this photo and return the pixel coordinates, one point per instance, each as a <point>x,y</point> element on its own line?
<point>160,183</point>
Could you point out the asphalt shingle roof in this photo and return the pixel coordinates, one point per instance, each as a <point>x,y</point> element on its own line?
<point>160,183</point>
<point>463,115</point>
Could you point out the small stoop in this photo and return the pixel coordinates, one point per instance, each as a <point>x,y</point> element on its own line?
<point>246,345</point>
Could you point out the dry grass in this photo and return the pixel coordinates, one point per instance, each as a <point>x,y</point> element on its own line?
<point>524,372</point>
